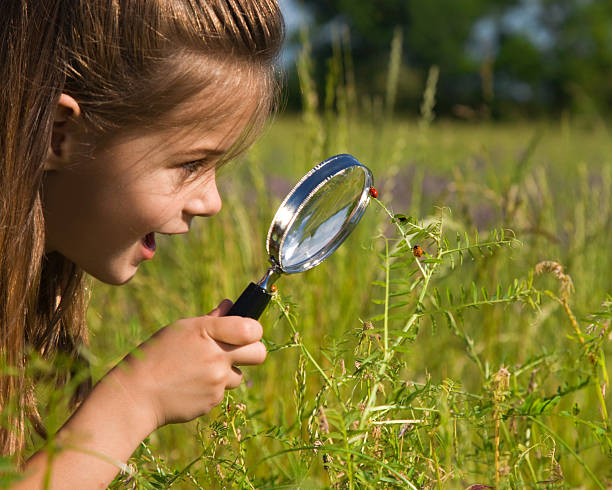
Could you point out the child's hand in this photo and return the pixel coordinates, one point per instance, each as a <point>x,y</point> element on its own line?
<point>184,369</point>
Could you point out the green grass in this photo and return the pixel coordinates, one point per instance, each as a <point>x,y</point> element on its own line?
<point>481,388</point>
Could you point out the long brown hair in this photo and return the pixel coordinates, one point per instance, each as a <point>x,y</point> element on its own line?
<point>126,62</point>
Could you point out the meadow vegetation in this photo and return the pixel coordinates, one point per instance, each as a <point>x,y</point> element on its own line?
<point>481,362</point>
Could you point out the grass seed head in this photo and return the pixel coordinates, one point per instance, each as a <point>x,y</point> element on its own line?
<point>556,269</point>
<point>323,424</point>
<point>501,383</point>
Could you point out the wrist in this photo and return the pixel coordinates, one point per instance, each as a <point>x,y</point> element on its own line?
<point>135,409</point>
<point>112,421</point>
<point>97,440</point>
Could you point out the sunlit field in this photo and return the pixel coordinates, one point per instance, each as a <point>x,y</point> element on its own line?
<point>470,365</point>
<point>481,362</point>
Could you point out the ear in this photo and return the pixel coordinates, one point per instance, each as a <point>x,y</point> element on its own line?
<point>63,133</point>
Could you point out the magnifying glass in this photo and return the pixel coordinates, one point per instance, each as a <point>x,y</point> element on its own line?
<point>313,220</point>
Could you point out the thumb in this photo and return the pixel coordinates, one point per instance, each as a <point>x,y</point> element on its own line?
<point>222,309</point>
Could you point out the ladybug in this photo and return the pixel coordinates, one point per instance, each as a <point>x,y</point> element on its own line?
<point>273,288</point>
<point>373,192</point>
<point>417,251</point>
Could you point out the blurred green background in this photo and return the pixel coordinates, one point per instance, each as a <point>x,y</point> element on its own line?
<point>497,58</point>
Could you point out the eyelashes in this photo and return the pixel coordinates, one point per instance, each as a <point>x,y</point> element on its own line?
<point>195,166</point>
<point>196,170</point>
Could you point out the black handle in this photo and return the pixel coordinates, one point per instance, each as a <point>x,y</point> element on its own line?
<point>252,302</point>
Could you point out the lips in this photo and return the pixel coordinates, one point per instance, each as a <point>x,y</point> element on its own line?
<point>149,242</point>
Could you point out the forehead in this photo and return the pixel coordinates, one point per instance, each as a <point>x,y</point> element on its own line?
<point>217,110</point>
<point>231,106</point>
<point>212,106</point>
<point>212,120</point>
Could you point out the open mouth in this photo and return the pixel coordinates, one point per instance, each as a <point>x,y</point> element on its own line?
<point>149,241</point>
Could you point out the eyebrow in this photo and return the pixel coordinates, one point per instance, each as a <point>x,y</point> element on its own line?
<point>204,151</point>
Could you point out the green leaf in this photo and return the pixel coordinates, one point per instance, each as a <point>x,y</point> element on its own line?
<point>538,406</point>
<point>438,299</point>
<point>401,264</point>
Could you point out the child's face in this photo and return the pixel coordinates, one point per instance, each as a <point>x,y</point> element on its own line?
<point>102,212</point>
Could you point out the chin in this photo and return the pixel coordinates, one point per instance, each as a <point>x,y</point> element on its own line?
<point>120,282</point>
<point>114,278</point>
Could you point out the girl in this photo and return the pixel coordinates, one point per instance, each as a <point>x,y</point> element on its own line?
<point>114,115</point>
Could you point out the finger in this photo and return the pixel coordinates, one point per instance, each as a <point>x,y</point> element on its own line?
<point>234,330</point>
<point>246,355</point>
<point>234,379</point>
<point>222,309</point>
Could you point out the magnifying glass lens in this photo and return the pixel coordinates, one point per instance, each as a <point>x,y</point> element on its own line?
<point>313,220</point>
<point>322,218</point>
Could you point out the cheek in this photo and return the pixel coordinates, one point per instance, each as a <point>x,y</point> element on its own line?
<point>153,211</point>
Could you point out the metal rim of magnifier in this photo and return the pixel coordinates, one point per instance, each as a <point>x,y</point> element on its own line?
<point>299,196</point>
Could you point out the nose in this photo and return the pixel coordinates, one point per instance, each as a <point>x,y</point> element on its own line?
<point>204,200</point>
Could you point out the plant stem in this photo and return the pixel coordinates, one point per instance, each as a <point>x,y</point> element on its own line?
<point>306,352</point>
<point>598,383</point>
<point>407,326</point>
<point>387,281</point>
<point>568,448</point>
<point>405,238</point>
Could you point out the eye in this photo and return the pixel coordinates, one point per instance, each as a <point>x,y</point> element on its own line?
<point>194,166</point>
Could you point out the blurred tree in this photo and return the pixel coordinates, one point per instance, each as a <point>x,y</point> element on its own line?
<point>581,58</point>
<point>435,33</point>
<point>563,63</point>
<point>538,55</point>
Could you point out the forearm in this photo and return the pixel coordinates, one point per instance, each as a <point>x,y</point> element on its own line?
<point>100,436</point>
